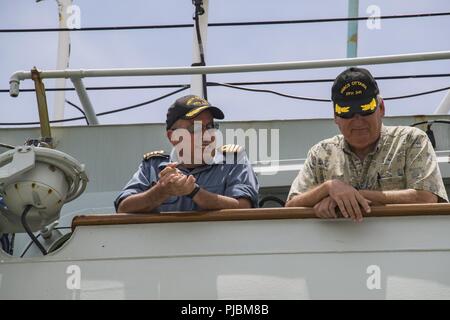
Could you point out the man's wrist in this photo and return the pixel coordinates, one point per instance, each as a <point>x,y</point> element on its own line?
<point>194,191</point>
<point>327,186</point>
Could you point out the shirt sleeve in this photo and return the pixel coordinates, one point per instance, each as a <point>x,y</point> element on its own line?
<point>2,203</point>
<point>141,181</point>
<point>306,177</point>
<point>242,182</point>
<point>422,170</point>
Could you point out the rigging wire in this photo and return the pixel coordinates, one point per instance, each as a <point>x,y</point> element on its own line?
<point>142,103</point>
<point>273,92</point>
<point>326,100</point>
<point>218,84</point>
<point>79,109</point>
<point>212,84</point>
<point>101,113</point>
<point>199,11</point>
<point>228,24</point>
<point>417,94</point>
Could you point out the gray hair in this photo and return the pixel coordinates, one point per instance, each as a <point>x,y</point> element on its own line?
<point>379,98</point>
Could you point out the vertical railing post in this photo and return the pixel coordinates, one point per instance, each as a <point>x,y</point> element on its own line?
<point>46,135</point>
<point>85,101</point>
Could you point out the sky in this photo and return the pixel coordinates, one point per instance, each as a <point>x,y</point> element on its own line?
<point>225,45</point>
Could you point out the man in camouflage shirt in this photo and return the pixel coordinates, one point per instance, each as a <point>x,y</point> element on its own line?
<point>369,163</point>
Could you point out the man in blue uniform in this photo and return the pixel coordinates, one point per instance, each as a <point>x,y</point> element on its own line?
<point>188,179</point>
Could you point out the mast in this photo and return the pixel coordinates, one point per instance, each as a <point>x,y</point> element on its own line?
<point>198,82</point>
<point>352,29</point>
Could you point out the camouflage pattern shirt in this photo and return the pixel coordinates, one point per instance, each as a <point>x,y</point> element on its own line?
<point>402,159</point>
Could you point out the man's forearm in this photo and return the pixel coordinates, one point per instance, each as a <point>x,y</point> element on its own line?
<point>309,198</point>
<point>399,196</point>
<point>143,202</point>
<point>211,201</point>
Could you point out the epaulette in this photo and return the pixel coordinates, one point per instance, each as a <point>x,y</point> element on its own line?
<point>231,148</point>
<point>153,154</point>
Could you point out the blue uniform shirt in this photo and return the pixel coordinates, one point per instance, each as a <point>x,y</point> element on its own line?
<point>232,180</point>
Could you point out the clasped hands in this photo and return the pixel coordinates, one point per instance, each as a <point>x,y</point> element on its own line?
<point>343,196</point>
<point>173,182</point>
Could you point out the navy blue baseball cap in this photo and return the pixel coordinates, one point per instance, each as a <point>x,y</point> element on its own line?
<point>188,107</point>
<point>354,91</point>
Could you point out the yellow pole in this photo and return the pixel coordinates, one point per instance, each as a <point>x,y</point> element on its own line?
<point>46,135</point>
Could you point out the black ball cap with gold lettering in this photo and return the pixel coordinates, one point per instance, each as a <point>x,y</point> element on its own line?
<point>188,107</point>
<point>354,91</point>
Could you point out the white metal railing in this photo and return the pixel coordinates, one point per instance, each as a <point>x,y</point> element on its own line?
<point>278,66</point>
<point>295,165</point>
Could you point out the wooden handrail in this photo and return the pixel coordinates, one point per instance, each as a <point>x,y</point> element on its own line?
<point>393,210</point>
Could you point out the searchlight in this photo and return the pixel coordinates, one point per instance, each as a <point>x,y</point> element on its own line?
<point>35,182</point>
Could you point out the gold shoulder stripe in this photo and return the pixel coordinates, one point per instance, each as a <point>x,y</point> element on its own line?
<point>159,153</point>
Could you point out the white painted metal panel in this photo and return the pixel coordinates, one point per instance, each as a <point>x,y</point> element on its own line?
<point>263,259</point>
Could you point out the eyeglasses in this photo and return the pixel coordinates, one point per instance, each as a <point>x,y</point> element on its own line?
<point>196,128</point>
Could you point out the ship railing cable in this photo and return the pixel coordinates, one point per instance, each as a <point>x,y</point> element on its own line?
<point>228,24</point>
<point>79,109</point>
<point>214,84</point>
<point>138,105</point>
<point>246,83</point>
<point>21,75</point>
<point>199,11</point>
<point>273,92</point>
<point>327,100</point>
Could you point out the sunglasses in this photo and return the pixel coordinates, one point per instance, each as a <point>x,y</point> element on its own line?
<point>196,128</point>
<point>350,112</point>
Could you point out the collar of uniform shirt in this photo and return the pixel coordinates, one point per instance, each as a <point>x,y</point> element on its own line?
<point>218,159</point>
